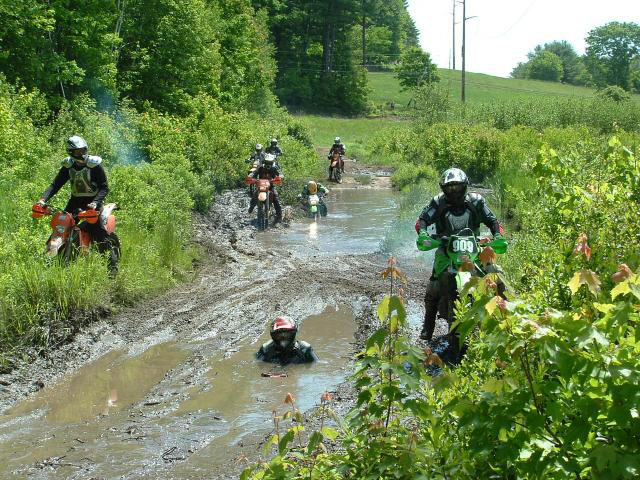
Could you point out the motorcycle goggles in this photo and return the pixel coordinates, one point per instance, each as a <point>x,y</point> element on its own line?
<point>283,335</point>
<point>78,153</point>
<point>454,188</point>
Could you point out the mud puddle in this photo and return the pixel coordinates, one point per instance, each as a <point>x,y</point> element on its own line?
<point>244,401</point>
<point>191,408</point>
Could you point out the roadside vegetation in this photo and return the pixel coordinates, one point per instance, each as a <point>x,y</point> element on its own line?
<point>549,386</point>
<point>168,147</point>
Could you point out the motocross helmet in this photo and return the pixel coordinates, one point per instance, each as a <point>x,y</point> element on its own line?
<point>312,187</point>
<point>269,160</point>
<point>283,333</point>
<point>454,184</point>
<point>337,141</point>
<point>274,142</point>
<point>77,148</point>
<point>259,148</point>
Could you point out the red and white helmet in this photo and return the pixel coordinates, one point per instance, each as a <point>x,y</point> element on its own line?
<point>283,333</point>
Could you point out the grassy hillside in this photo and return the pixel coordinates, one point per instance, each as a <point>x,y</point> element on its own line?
<point>354,132</point>
<point>481,88</point>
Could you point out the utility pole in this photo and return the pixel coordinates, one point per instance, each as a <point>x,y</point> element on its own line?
<point>454,34</point>
<point>464,40</point>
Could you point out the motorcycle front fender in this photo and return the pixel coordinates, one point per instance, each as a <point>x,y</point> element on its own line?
<point>54,244</point>
<point>262,196</point>
<point>314,209</point>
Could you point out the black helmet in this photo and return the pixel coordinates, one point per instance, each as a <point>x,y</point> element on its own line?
<point>77,148</point>
<point>337,141</point>
<point>283,333</point>
<point>274,142</point>
<point>454,184</point>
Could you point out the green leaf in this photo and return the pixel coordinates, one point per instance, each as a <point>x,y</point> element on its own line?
<point>383,310</point>
<point>285,440</point>
<point>502,435</point>
<point>269,443</point>
<point>330,433</point>
<point>314,440</point>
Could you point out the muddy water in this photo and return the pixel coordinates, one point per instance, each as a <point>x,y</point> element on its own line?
<point>60,419</point>
<point>183,409</point>
<point>244,401</point>
<point>356,223</point>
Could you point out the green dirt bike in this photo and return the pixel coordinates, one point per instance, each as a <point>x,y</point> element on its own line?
<point>459,258</point>
<point>313,205</point>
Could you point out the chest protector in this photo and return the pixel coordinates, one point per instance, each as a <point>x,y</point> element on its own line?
<point>451,220</point>
<point>81,182</point>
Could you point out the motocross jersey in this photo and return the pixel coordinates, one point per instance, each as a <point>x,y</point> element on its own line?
<point>450,219</point>
<point>268,173</point>
<point>277,151</point>
<point>341,149</point>
<point>87,181</point>
<point>301,352</point>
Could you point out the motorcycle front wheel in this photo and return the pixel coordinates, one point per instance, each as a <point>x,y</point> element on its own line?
<point>262,217</point>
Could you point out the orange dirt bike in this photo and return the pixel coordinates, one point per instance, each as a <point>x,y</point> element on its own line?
<point>67,238</point>
<point>265,198</point>
<point>335,167</point>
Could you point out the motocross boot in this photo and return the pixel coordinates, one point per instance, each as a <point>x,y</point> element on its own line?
<point>430,312</point>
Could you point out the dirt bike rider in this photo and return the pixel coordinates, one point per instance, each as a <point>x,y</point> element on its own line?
<point>269,170</point>
<point>451,211</point>
<point>339,147</point>
<point>274,149</point>
<point>88,189</point>
<point>314,188</point>
<point>283,348</point>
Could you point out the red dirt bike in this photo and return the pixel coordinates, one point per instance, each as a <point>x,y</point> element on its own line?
<point>67,238</point>
<point>335,167</point>
<point>265,198</point>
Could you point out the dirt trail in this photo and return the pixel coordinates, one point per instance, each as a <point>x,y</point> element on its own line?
<point>133,429</point>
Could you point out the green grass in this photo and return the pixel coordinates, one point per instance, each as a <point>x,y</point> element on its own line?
<point>481,88</point>
<point>355,133</point>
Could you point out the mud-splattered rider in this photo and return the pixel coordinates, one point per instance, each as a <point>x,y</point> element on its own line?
<point>268,170</point>
<point>283,348</point>
<point>452,211</point>
<point>88,190</point>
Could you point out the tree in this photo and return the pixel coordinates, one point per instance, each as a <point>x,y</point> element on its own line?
<point>610,51</point>
<point>416,69</point>
<point>546,66</point>
<point>572,66</point>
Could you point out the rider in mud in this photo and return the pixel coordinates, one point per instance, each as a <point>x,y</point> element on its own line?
<point>274,149</point>
<point>283,348</point>
<point>451,211</point>
<point>268,170</point>
<point>339,147</point>
<point>88,189</point>
<point>314,188</point>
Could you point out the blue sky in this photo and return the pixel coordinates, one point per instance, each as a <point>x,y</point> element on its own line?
<point>506,30</point>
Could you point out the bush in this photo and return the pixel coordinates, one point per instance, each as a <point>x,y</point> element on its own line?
<point>615,93</point>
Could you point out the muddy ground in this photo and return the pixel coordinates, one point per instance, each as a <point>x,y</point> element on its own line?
<point>250,279</point>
